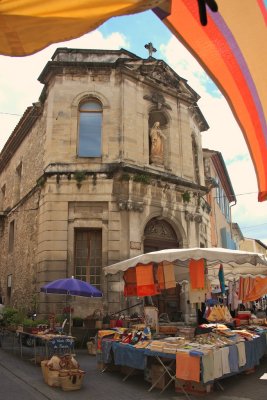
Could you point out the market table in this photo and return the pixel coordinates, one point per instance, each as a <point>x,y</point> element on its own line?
<point>128,356</point>
<point>53,344</point>
<point>167,360</point>
<point>137,359</point>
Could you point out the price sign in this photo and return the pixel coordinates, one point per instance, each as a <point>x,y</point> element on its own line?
<point>61,343</point>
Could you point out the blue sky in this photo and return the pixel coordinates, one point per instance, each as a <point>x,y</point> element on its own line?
<point>20,88</point>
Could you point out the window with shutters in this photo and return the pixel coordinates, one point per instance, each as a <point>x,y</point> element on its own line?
<point>88,256</point>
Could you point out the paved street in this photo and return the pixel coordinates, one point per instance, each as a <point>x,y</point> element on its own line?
<point>22,379</point>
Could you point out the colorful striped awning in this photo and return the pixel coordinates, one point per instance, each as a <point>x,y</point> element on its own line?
<point>232,48</point>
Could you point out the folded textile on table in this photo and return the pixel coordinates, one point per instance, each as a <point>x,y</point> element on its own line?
<point>187,367</point>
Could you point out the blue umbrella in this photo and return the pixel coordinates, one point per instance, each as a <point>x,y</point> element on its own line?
<point>71,287</point>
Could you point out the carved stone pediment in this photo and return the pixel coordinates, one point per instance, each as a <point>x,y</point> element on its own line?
<point>158,99</point>
<point>156,71</point>
<point>187,92</point>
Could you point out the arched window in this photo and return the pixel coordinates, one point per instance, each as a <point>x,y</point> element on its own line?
<point>90,127</point>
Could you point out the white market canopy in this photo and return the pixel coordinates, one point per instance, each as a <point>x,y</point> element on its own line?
<point>235,262</point>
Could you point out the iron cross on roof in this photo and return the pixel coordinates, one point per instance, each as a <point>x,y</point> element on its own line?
<point>150,48</point>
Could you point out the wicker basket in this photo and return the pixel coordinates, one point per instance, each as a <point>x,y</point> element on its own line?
<point>53,378</point>
<point>71,380</point>
<point>44,370</point>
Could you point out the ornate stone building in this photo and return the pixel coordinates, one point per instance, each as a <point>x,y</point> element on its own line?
<point>106,165</point>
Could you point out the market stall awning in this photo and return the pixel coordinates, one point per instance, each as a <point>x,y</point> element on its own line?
<point>232,47</point>
<point>181,257</point>
<point>27,26</point>
<point>234,272</point>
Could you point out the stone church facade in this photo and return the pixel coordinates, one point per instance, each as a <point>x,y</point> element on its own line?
<point>107,164</point>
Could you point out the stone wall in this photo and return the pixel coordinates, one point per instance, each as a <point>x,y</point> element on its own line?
<point>20,263</point>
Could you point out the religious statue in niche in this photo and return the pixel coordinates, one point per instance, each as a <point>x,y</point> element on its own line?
<point>157,144</point>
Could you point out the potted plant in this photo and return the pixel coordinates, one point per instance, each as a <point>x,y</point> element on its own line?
<point>29,325</point>
<point>12,318</point>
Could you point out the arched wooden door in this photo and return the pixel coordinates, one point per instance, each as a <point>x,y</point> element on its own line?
<point>160,235</point>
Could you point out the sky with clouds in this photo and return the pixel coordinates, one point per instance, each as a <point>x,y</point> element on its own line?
<point>19,88</point>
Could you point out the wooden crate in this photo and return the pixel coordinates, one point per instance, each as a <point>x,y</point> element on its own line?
<point>192,387</point>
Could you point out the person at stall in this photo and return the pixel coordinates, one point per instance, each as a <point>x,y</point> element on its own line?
<point>201,314</point>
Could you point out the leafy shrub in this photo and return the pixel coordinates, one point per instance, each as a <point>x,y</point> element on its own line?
<point>11,316</point>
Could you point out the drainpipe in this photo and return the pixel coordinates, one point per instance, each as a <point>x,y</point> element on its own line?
<point>231,222</point>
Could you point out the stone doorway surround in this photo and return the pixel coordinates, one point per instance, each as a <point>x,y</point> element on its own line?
<point>160,235</point>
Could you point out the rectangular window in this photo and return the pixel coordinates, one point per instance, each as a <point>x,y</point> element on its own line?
<point>11,236</point>
<point>17,187</point>
<point>88,256</point>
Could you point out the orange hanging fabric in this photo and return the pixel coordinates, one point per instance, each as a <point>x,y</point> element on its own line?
<point>169,275</point>
<point>166,275</point>
<point>187,367</point>
<point>160,276</point>
<point>197,274</point>
<point>146,285</point>
<point>257,290</point>
<point>241,288</point>
<point>130,285</point>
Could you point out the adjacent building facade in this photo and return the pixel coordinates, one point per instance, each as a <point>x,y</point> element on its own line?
<point>107,164</point>
<point>253,245</point>
<point>221,198</point>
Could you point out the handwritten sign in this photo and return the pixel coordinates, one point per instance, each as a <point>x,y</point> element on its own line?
<point>61,343</point>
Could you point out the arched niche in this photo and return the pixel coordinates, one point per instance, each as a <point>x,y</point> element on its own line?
<point>160,118</point>
<point>159,235</point>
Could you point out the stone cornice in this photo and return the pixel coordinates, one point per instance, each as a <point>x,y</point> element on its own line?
<point>53,68</point>
<point>198,118</point>
<point>110,169</point>
<point>22,129</point>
